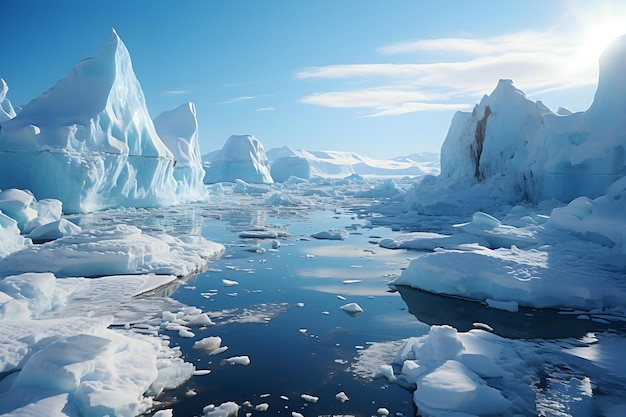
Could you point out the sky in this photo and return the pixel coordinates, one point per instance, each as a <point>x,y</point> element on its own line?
<point>380,78</point>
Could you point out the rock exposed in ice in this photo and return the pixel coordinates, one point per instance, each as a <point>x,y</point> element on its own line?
<point>242,157</point>
<point>334,234</point>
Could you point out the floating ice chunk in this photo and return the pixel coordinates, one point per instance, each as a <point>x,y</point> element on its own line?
<point>11,239</point>
<point>229,283</point>
<point>262,407</point>
<point>296,414</point>
<point>201,320</point>
<point>382,411</point>
<point>341,297</point>
<point>352,309</point>
<point>201,372</point>
<point>387,372</point>
<point>186,333</point>
<point>299,304</point>
<point>191,393</point>
<point>53,230</point>
<point>310,398</point>
<point>237,360</point>
<point>341,396</point>
<point>227,409</point>
<point>334,234</point>
<point>164,413</point>
<point>208,343</point>
<point>219,350</point>
<point>352,281</point>
<point>511,306</point>
<point>430,241</point>
<point>452,386</point>
<point>275,244</point>
<point>303,331</point>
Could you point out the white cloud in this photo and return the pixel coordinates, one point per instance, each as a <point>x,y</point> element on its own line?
<point>237,99</point>
<point>460,70</point>
<point>175,92</point>
<point>266,108</point>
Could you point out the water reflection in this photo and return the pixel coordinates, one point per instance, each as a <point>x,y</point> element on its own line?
<point>527,323</point>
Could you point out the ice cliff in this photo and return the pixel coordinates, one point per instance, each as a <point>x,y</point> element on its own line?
<point>89,140</point>
<point>241,158</point>
<point>178,129</point>
<point>6,108</point>
<point>511,149</point>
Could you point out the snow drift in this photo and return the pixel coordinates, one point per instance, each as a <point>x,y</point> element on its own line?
<point>89,140</point>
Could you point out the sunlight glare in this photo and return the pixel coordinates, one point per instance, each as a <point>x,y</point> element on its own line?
<point>599,37</point>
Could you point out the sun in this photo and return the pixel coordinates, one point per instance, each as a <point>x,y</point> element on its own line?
<point>599,37</point>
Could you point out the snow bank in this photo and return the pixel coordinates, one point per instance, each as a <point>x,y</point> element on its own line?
<point>89,140</point>
<point>242,157</point>
<point>114,250</point>
<point>178,129</point>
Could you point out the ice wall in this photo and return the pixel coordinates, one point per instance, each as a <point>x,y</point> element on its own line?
<point>511,149</point>
<point>89,140</point>
<point>6,108</point>
<point>178,129</point>
<point>242,157</point>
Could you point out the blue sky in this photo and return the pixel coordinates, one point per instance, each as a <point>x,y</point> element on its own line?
<point>381,78</point>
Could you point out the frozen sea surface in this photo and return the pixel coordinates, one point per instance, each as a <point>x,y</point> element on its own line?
<point>277,341</point>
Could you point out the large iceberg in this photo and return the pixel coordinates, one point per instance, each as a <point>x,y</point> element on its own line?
<point>6,108</point>
<point>241,158</point>
<point>89,140</point>
<point>511,149</point>
<point>178,129</point>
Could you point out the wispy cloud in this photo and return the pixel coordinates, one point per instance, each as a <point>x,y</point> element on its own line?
<point>266,108</point>
<point>453,71</point>
<point>237,99</point>
<point>175,92</point>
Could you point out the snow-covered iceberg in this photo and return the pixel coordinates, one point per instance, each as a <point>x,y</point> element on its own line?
<point>89,140</point>
<point>178,129</point>
<point>242,157</point>
<point>6,108</point>
<point>511,149</point>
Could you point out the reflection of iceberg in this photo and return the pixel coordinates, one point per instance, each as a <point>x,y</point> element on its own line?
<point>89,140</point>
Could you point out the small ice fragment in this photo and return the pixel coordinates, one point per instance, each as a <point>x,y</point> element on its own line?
<point>310,398</point>
<point>303,331</point>
<point>186,333</point>
<point>325,313</point>
<point>352,309</point>
<point>191,393</point>
<point>296,414</point>
<point>341,361</point>
<point>232,294</point>
<point>231,267</point>
<point>200,372</point>
<point>341,396</point>
<point>262,407</point>
<point>309,256</point>
<point>352,281</point>
<point>229,283</point>
<point>237,360</point>
<point>284,397</point>
<point>275,244</point>
<point>219,350</point>
<point>208,343</point>
<point>265,395</point>
<point>341,297</point>
<point>300,304</point>
<point>483,326</point>
<point>383,411</point>
<point>201,320</point>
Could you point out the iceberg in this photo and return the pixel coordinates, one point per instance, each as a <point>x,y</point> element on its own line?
<point>6,108</point>
<point>89,141</point>
<point>241,158</point>
<point>178,129</point>
<point>511,149</point>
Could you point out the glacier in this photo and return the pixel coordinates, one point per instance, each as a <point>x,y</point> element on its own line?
<point>89,141</point>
